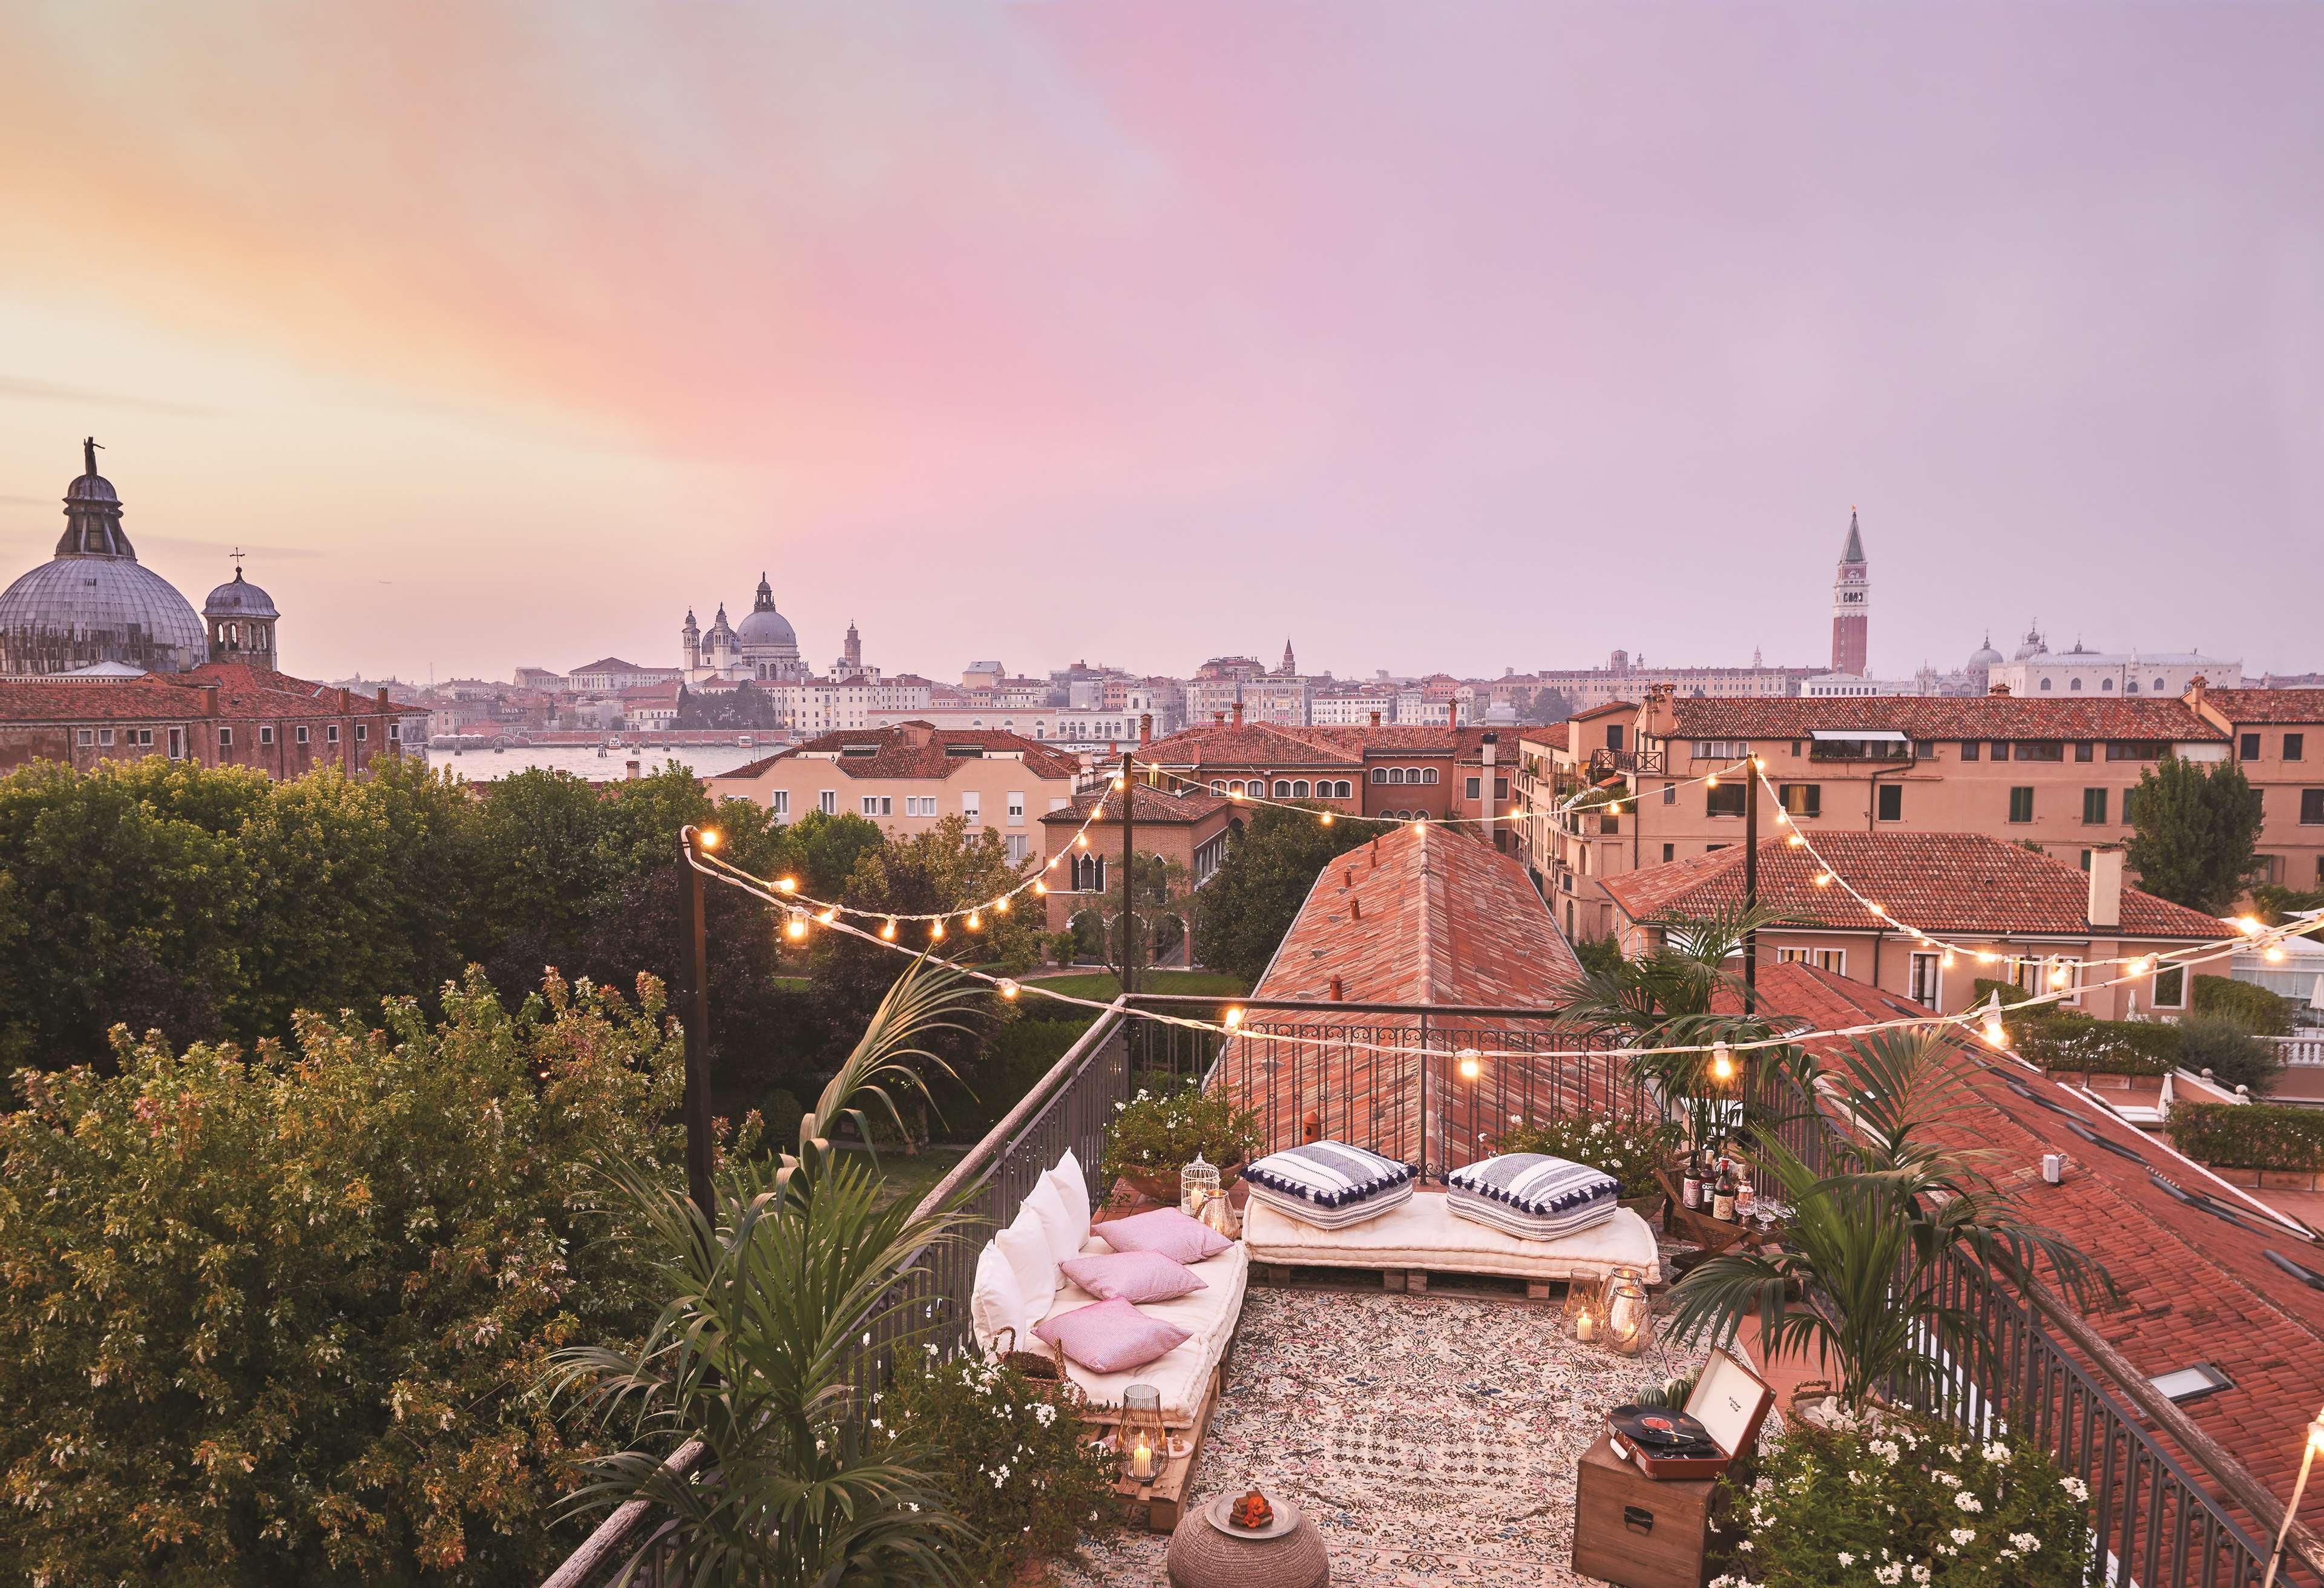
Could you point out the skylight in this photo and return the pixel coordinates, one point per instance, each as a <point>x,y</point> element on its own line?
<point>2193,1383</point>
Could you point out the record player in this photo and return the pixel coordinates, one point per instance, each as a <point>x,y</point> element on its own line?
<point>1720,1422</point>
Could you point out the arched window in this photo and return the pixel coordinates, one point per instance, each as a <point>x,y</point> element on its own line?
<point>1218,786</point>
<point>1396,774</point>
<point>2105,684</point>
<point>2131,687</point>
<point>1299,789</point>
<point>2159,687</point>
<point>1428,774</point>
<point>2046,683</point>
<point>1379,774</point>
<point>1283,787</point>
<point>1347,789</point>
<point>2076,684</point>
<point>1089,873</point>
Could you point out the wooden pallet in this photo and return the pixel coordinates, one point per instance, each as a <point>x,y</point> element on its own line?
<point>1159,1501</point>
<point>1413,1281</point>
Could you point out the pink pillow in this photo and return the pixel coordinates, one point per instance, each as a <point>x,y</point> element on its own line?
<point>1165,1230</point>
<point>1112,1337</point>
<point>1133,1275</point>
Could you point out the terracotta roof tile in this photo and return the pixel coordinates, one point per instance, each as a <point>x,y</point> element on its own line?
<point>915,750</point>
<point>1974,716</point>
<point>242,692</point>
<point>1937,881</point>
<point>1148,805</point>
<point>2267,705</point>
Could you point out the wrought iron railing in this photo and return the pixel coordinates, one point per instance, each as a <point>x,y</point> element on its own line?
<point>1651,762</point>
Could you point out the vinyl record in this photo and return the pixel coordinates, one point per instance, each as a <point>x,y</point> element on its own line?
<point>1660,1430</point>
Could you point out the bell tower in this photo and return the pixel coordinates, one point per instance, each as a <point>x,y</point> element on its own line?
<point>1851,605</point>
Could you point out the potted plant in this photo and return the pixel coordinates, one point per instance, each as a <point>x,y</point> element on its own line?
<point>1628,1148</point>
<point>1154,1135</point>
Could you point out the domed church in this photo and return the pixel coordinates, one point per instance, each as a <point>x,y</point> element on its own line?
<point>762,648</point>
<point>94,605</point>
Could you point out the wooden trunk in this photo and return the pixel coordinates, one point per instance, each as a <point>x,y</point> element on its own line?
<point>1640,1532</point>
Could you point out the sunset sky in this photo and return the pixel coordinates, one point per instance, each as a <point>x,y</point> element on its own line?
<point>1431,336</point>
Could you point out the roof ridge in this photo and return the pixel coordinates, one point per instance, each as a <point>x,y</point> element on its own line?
<point>1431,884</point>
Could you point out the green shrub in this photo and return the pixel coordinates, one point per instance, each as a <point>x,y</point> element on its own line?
<point>1628,1150</point>
<point>1015,1456</point>
<point>2255,1009</point>
<point>1599,955</point>
<point>1909,1505</point>
<point>2230,1051</point>
<point>2064,1040</point>
<point>2010,991</point>
<point>1011,1060</point>
<point>1160,1134</point>
<point>2249,1136</point>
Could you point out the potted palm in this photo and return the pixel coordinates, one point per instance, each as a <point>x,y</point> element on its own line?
<point>1889,1252</point>
<point>739,1420</point>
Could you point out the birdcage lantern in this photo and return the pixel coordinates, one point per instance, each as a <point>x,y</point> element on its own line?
<point>1198,1182</point>
<point>1629,1323</point>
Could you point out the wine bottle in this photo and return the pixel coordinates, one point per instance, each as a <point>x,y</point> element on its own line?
<point>1722,1193</point>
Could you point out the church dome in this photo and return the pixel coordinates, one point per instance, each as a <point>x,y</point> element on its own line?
<point>93,601</point>
<point>766,629</point>
<point>1984,655</point>
<point>237,597</point>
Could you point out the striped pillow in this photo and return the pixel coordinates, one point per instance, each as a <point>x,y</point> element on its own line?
<point>1531,1195</point>
<point>1330,1185</point>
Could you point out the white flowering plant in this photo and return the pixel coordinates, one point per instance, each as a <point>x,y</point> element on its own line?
<point>1159,1133</point>
<point>1017,1460</point>
<point>1630,1149</point>
<point>1905,1503</point>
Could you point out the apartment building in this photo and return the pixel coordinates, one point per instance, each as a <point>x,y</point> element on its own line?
<point>1191,829</point>
<point>909,776</point>
<point>2269,732</point>
<point>2050,774</point>
<point>2005,913</point>
<point>1382,770</point>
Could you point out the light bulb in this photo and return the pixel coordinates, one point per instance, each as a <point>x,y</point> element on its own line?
<point>2274,951</point>
<point>1000,905</point>
<point>1876,910</point>
<point>2250,925</point>
<point>1120,781</point>
<point>2058,976</point>
<point>935,930</point>
<point>796,926</point>
<point>1711,781</point>
<point>889,930</point>
<point>1758,763</point>
<point>1823,879</point>
<point>1472,1064</point>
<point>1327,819</point>
<point>1233,1018</point>
<point>1985,956</point>
<point>1005,987</point>
<point>975,921</point>
<point>1948,960</point>
<point>786,884</point>
<point>1722,1062</point>
<point>829,916</point>
<point>1795,841</point>
<point>1039,888</point>
<point>1052,864</point>
<point>1994,1034</point>
<point>710,837</point>
<point>1081,840</point>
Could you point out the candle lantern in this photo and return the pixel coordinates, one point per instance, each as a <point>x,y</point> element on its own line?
<point>1144,1446</point>
<point>1198,1182</point>
<point>1218,1213</point>
<point>1584,1313</point>
<point>1629,1323</point>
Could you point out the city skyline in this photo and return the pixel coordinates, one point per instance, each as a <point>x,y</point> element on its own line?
<point>1011,343</point>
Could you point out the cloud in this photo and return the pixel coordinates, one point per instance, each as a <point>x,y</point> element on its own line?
<point>53,392</point>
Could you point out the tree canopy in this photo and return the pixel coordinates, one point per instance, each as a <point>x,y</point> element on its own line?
<point>2194,833</point>
<point>1244,910</point>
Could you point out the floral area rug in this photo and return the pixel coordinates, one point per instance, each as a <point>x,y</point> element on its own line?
<point>1433,1438</point>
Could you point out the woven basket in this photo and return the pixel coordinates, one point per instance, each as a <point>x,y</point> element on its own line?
<point>1048,1370</point>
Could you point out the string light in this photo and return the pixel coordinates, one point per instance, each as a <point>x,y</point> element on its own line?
<point>795,927</point>
<point>1993,1032</point>
<point>1081,840</point>
<point>2272,952</point>
<point>1470,1064</point>
<point>1722,1062</point>
<point>1233,1018</point>
<point>936,931</point>
<point>975,921</point>
<point>2058,973</point>
<point>786,884</point>
<point>827,917</point>
<point>1326,818</point>
<point>2250,925</point>
<point>708,838</point>
<point>889,930</point>
<point>1823,880</point>
<point>1007,988</point>
<point>1000,905</point>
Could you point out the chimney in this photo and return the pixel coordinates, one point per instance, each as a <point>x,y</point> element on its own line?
<point>1339,990</point>
<point>1355,907</point>
<point>1375,719</point>
<point>2106,888</point>
<point>1349,876</point>
<point>1146,728</point>
<point>1218,719</point>
<point>1485,787</point>
<point>631,767</point>
<point>383,697</point>
<point>1238,713</point>
<point>2197,687</point>
<point>1998,689</point>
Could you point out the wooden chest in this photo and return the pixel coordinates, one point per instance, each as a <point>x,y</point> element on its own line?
<point>1640,1532</point>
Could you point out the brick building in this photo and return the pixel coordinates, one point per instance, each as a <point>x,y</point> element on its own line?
<point>1385,770</point>
<point>220,713</point>
<point>1190,829</point>
<point>2004,912</point>
<point>2269,732</point>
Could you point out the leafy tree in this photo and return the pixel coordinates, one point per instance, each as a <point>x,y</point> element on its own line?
<point>745,706</point>
<point>1163,888</point>
<point>2195,828</point>
<point>275,1316</point>
<point>1250,901</point>
<point>1547,705</point>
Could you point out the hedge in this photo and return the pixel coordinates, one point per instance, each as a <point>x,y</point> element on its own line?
<point>2249,1136</point>
<point>2255,1008</point>
<point>2067,1042</point>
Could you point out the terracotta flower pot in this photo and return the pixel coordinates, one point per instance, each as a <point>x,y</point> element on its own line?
<point>1162,1186</point>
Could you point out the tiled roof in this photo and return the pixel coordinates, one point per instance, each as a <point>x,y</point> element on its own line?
<point>1557,736</point>
<point>915,750</point>
<point>609,664</point>
<point>1148,804</point>
<point>2267,705</point>
<point>1937,881</point>
<point>243,692</point>
<point>1251,744</point>
<point>2197,1286</point>
<point>1972,716</point>
<point>1598,711</point>
<point>1440,918</point>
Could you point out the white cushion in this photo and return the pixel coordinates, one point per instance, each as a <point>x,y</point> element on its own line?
<point>1182,1376</point>
<point>1073,1186</point>
<point>996,1301</point>
<point>1025,1247</point>
<point>1045,1202</point>
<point>1423,1234</point>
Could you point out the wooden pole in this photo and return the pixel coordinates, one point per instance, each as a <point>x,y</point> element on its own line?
<point>694,1011</point>
<point>1128,876</point>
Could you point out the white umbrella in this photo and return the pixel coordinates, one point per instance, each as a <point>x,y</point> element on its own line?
<point>2315,994</point>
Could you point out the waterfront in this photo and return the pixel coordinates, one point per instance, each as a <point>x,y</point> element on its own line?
<point>483,766</point>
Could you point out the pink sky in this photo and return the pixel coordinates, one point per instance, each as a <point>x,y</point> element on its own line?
<point>1433,336</point>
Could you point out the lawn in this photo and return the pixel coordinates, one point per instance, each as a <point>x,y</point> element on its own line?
<point>912,1176</point>
<point>1104,984</point>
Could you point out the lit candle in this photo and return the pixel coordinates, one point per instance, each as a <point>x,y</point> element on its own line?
<point>1585,1327</point>
<point>1142,1459</point>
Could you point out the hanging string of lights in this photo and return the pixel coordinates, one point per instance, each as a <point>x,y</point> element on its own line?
<point>1988,1019</point>
<point>2059,971</point>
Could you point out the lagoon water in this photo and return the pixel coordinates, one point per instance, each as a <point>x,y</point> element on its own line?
<point>482,766</point>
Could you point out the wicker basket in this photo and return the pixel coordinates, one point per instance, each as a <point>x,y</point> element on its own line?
<point>1048,1370</point>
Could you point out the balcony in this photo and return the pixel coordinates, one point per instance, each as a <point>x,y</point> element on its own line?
<point>1629,763</point>
<point>1867,745</point>
<point>1434,1437</point>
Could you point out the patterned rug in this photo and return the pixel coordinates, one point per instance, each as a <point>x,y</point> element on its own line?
<point>1433,1438</point>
